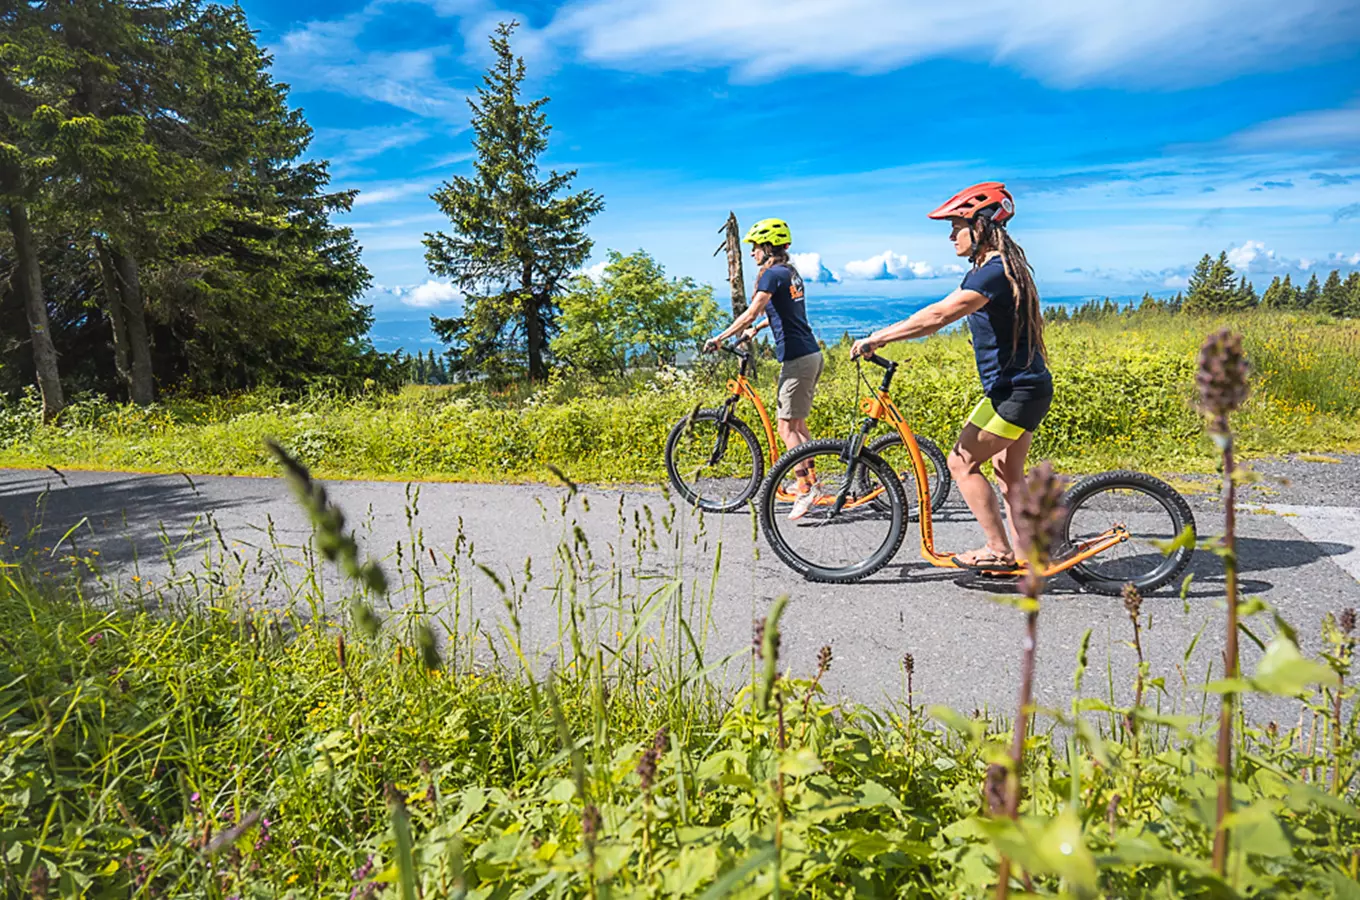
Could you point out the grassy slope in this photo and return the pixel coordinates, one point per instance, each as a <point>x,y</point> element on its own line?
<point>1124,391</point>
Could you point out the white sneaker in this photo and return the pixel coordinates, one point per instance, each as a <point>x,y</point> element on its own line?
<point>806,501</point>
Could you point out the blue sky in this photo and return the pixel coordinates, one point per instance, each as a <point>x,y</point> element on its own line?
<point>1135,139</point>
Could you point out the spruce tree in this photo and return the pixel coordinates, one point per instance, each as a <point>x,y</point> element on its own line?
<point>1273,297</point>
<point>1333,300</point>
<point>514,242</point>
<point>1310,294</point>
<point>25,99</point>
<point>1289,294</point>
<point>1200,288</point>
<point>1353,296</point>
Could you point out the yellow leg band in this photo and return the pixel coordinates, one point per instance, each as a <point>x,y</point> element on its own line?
<point>984,416</point>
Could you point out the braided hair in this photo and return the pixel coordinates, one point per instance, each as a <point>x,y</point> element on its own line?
<point>989,235</point>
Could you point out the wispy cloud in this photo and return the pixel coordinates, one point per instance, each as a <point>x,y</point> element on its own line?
<point>351,145</point>
<point>386,192</point>
<point>327,56</point>
<point>1331,179</point>
<point>1325,129</point>
<point>1153,42</point>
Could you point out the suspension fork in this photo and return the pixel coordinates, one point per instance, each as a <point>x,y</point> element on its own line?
<point>851,457</point>
<point>724,429</point>
<point>851,454</point>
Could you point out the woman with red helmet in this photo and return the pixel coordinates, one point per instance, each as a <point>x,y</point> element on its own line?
<point>1001,303</point>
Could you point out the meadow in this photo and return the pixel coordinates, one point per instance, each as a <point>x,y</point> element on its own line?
<point>1124,399</point>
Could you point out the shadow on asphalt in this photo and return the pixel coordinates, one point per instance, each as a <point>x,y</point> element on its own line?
<point>1255,555</point>
<point>128,518</point>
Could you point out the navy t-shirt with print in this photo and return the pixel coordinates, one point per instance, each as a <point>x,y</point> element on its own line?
<point>1001,363</point>
<point>793,335</point>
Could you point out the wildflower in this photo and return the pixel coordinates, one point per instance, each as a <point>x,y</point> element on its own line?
<point>590,823</point>
<point>1133,600</point>
<point>1038,522</point>
<point>646,767</point>
<point>758,640</point>
<point>1347,621</point>
<point>94,638</point>
<point>824,658</point>
<point>1222,377</point>
<point>909,663</point>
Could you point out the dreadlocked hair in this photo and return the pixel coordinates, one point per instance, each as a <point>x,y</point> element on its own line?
<point>988,236</point>
<point>777,256</point>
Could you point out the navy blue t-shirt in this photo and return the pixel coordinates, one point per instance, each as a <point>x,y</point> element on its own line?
<point>1001,363</point>
<point>793,335</point>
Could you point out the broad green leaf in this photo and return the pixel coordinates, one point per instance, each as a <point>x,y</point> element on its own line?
<point>1285,672</point>
<point>872,794</point>
<point>969,728</point>
<point>800,763</point>
<point>1258,831</point>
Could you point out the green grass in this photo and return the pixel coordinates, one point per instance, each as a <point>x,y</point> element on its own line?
<point>1124,389</point>
<point>226,734</point>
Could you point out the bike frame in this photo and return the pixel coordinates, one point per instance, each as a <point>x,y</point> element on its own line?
<point>880,408</point>
<point>740,387</point>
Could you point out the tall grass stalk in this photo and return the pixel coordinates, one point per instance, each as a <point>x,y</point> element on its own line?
<point>1222,381</point>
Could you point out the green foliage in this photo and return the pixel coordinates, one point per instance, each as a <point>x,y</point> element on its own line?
<point>1124,389</point>
<point>174,157</point>
<point>1333,299</point>
<point>1211,288</point>
<point>513,239</point>
<point>200,738</point>
<point>633,313</point>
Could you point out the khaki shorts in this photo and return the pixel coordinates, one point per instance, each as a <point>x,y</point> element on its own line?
<point>797,385</point>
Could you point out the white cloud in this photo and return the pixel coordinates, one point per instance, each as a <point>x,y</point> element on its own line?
<point>890,266</point>
<point>1160,42</point>
<point>595,272</point>
<point>1255,258</point>
<point>811,267</point>
<point>431,293</point>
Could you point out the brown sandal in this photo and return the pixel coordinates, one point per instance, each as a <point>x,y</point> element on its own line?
<point>985,561</point>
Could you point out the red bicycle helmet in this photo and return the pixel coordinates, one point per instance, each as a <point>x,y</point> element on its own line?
<point>988,198</point>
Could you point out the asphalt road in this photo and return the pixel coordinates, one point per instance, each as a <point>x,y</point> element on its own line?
<point>1299,533</point>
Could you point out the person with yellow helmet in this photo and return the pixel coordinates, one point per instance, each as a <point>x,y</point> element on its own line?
<point>779,294</point>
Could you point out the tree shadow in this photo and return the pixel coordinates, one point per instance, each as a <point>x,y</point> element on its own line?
<point>125,517</point>
<point>1256,555</point>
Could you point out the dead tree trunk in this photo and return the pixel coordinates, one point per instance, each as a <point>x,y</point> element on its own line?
<point>735,277</point>
<point>35,305</point>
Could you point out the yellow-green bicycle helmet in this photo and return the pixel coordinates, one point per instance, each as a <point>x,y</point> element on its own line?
<point>769,231</point>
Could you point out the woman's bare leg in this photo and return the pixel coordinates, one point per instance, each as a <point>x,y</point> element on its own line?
<point>1009,466</point>
<point>974,448</point>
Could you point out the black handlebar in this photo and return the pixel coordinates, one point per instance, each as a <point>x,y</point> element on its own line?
<point>881,362</point>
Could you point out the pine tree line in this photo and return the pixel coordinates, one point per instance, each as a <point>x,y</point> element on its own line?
<point>1215,287</point>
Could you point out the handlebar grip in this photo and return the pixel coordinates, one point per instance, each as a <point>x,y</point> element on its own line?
<point>881,362</point>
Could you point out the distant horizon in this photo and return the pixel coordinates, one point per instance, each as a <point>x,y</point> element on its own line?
<point>856,314</point>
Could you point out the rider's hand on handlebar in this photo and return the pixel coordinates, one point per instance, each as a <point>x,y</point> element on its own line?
<point>711,345</point>
<point>864,347</point>
<point>749,334</point>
